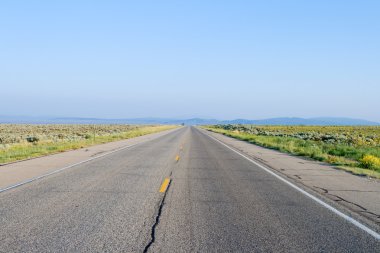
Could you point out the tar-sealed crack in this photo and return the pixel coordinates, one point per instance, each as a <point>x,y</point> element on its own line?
<point>340,199</point>
<point>157,221</point>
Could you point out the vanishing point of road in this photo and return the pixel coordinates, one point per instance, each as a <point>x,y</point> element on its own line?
<point>181,192</point>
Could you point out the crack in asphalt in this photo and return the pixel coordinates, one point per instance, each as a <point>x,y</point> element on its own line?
<point>98,153</point>
<point>340,199</point>
<point>157,221</point>
<point>352,191</point>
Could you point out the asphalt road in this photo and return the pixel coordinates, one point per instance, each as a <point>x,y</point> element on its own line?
<point>216,201</point>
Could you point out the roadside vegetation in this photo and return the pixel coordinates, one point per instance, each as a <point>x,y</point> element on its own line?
<point>21,141</point>
<point>355,149</point>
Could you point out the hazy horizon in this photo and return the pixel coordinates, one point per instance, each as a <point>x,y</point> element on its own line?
<point>44,117</point>
<point>170,59</point>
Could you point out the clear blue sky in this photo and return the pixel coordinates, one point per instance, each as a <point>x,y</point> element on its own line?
<point>219,59</point>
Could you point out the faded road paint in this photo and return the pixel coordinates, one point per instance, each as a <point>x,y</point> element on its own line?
<point>165,185</point>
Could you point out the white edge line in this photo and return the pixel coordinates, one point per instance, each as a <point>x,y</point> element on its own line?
<point>319,201</point>
<point>72,165</point>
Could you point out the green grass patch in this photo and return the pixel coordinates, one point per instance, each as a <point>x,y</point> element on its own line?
<point>359,160</point>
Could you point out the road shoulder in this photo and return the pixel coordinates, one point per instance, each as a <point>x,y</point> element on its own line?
<point>359,195</point>
<point>18,172</point>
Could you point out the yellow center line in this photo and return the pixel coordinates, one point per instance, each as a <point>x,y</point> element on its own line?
<point>165,185</point>
<point>177,158</point>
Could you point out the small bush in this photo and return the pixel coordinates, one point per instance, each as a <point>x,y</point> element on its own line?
<point>370,162</point>
<point>32,139</point>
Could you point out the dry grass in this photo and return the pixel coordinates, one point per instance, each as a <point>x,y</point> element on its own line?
<point>18,142</point>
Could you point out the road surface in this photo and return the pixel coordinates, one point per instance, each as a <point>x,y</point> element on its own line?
<point>182,192</point>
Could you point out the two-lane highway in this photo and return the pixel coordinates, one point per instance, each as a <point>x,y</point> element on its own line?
<point>182,192</point>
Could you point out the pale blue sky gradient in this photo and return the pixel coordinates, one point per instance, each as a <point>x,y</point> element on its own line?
<point>218,59</point>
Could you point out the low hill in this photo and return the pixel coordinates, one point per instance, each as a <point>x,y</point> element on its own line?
<point>321,121</point>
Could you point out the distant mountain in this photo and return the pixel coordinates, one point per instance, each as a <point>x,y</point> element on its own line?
<point>321,121</point>
<point>276,121</point>
<point>345,121</point>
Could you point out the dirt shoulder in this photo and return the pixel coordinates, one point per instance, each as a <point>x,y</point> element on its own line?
<point>17,172</point>
<point>360,195</point>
